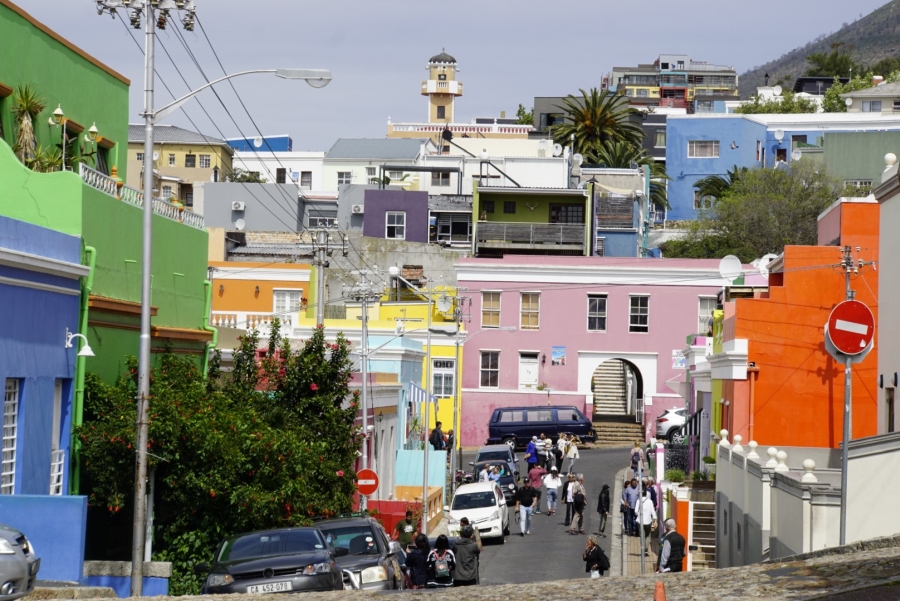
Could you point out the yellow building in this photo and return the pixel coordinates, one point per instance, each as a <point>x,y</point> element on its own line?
<point>180,158</point>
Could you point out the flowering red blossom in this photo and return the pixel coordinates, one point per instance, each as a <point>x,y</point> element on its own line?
<point>314,387</point>
<point>340,473</point>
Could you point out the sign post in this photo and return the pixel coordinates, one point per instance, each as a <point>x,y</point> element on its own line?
<point>366,482</point>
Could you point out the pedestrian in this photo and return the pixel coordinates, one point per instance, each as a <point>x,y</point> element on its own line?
<point>495,474</point>
<point>595,560</point>
<point>646,515</point>
<point>464,521</point>
<point>405,531</point>
<point>437,437</point>
<point>441,562</point>
<point>525,497</point>
<point>603,508</point>
<point>536,475</point>
<point>449,438</point>
<point>572,454</point>
<point>485,472</point>
<point>672,551</point>
<point>632,493</point>
<point>552,483</point>
<point>542,446</point>
<point>416,569</point>
<point>560,450</point>
<point>637,459</point>
<point>567,497</point>
<point>531,456</point>
<point>651,487</point>
<point>579,501</point>
<point>466,553</point>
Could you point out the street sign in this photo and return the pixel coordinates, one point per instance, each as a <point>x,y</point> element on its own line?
<point>366,482</point>
<point>851,327</point>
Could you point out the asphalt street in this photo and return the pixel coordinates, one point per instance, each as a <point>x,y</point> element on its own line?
<point>550,553</point>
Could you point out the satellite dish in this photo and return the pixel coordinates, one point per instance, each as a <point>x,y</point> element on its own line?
<point>577,159</point>
<point>730,267</point>
<point>557,150</point>
<point>848,102</point>
<point>797,155</point>
<point>779,134</point>
<point>444,304</point>
<point>777,90</point>
<point>155,156</point>
<point>764,263</point>
<point>257,141</point>
<point>239,225</point>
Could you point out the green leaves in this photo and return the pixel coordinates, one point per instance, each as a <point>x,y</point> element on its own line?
<point>784,104</point>
<point>597,119</point>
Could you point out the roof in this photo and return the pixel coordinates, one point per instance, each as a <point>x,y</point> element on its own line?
<point>443,57</point>
<point>889,90</point>
<point>375,148</point>
<point>171,134</point>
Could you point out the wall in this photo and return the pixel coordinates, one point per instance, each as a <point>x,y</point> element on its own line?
<point>859,155</point>
<point>870,459</point>
<point>219,158</point>
<point>268,208</point>
<point>269,144</point>
<point>618,243</point>
<point>414,204</point>
<point>888,324</point>
<point>268,163</point>
<point>240,280</point>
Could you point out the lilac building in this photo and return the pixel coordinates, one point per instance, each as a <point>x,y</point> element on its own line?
<point>396,215</point>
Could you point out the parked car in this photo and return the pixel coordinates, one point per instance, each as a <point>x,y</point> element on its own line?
<point>669,424</point>
<point>514,426</point>
<point>371,561</point>
<point>19,564</point>
<point>273,561</point>
<point>485,506</point>
<point>496,452</point>
<point>509,480</point>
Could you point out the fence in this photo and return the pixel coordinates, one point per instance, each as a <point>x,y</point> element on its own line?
<point>677,458</point>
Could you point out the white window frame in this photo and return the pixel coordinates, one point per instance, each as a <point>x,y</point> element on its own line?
<point>139,156</point>
<point>166,192</point>
<point>710,149</point>
<point>286,294</point>
<point>306,179</point>
<point>204,161</point>
<point>597,314</point>
<point>370,172</point>
<point>522,313</point>
<point>656,134</point>
<point>492,311</point>
<point>398,226</point>
<point>395,175</point>
<point>632,314</point>
<point>11,404</point>
<point>344,177</point>
<point>703,319</point>
<point>482,369</point>
<point>172,161</point>
<point>440,179</point>
<point>440,370</point>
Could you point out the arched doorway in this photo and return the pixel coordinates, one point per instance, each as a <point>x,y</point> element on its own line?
<point>618,389</point>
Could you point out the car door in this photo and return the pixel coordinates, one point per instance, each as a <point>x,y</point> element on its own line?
<point>504,509</point>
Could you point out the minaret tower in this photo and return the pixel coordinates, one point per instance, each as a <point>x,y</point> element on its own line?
<point>441,87</point>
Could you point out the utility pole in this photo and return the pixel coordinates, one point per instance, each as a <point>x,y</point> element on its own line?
<point>321,264</point>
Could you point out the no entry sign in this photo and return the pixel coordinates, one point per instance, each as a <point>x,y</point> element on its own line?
<point>366,482</point>
<point>851,327</point>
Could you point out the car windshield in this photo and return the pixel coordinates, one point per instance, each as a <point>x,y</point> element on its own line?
<point>474,500</point>
<point>357,539</point>
<point>267,544</point>
<point>493,456</point>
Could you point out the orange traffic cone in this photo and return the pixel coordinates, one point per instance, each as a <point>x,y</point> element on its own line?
<point>660,593</point>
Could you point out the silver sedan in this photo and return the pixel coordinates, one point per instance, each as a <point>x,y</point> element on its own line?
<point>19,564</point>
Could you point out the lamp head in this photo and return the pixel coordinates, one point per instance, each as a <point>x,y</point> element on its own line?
<point>317,78</point>
<point>58,115</point>
<point>394,271</point>
<point>86,351</point>
<point>93,132</point>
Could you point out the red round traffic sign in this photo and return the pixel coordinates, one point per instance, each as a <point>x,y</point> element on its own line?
<point>366,482</point>
<point>851,327</point>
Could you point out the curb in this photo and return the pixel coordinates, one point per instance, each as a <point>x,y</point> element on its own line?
<point>617,550</point>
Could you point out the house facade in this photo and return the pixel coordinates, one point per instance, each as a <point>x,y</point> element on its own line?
<point>304,169</point>
<point>368,160</point>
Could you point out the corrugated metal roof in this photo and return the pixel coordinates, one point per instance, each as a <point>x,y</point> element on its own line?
<point>170,134</point>
<point>278,250</point>
<point>373,148</point>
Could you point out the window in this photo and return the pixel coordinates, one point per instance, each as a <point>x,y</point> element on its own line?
<point>707,306</point>
<point>529,318</point>
<point>320,219</point>
<point>140,156</point>
<point>205,162</point>
<point>395,225</point>
<point>509,207</point>
<point>759,149</point>
<point>280,173</point>
<point>306,179</point>
<point>725,521</point>
<point>639,314</point>
<point>629,92</point>
<point>370,171</point>
<point>10,437</point>
<point>600,247</point>
<point>703,202</point>
<point>443,376</point>
<point>889,405</point>
<point>643,93</point>
<point>167,192</point>
<point>596,312</point>
<point>395,174</point>
<point>189,199</point>
<point>490,309</point>
<point>659,141</point>
<point>567,415</point>
<point>172,162</point>
<point>706,106</point>
<point>287,301</point>
<point>539,416</point>
<point>871,106</point>
<point>488,206</point>
<point>737,532</point>
<point>57,457</point>
<point>441,112</point>
<point>897,105</point>
<point>511,416</point>
<point>490,370</point>
<point>102,160</point>
<point>190,160</point>
<point>344,177</point>
<point>528,375</point>
<point>857,187</point>
<point>567,213</point>
<point>703,149</point>
<point>440,179</point>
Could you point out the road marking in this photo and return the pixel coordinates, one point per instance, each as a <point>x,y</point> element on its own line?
<point>852,327</point>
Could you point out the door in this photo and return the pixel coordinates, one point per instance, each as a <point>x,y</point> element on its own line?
<point>528,371</point>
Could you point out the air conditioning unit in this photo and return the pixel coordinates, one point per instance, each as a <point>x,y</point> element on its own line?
<point>238,206</point>
<point>358,209</point>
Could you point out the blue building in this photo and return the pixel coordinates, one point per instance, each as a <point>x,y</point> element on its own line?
<point>701,145</point>
<point>281,143</point>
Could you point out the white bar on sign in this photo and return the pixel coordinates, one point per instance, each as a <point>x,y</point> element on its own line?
<point>366,482</point>
<point>852,327</point>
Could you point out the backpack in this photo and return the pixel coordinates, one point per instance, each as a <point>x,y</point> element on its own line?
<point>635,458</point>
<point>578,501</point>
<point>435,438</point>
<point>441,566</point>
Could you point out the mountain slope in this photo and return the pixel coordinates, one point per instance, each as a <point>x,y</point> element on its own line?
<point>874,37</point>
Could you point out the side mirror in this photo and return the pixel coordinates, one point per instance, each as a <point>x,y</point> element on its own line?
<point>395,548</point>
<point>341,551</point>
<point>472,463</point>
<point>201,568</point>
<point>446,508</point>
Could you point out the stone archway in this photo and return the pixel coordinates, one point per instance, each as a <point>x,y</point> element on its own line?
<point>618,388</point>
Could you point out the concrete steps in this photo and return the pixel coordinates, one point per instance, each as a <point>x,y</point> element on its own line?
<point>609,389</point>
<point>610,434</point>
<point>703,536</point>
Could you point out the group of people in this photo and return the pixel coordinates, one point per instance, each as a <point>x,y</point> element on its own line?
<point>441,566</point>
<point>543,453</point>
<point>440,441</point>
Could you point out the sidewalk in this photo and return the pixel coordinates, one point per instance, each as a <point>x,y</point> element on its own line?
<point>625,551</point>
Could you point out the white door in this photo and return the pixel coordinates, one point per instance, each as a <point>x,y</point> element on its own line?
<point>528,371</point>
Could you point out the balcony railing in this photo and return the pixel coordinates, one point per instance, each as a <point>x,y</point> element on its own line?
<point>250,321</point>
<point>57,463</point>
<point>492,128</point>
<point>528,235</point>
<point>677,103</point>
<point>164,208</point>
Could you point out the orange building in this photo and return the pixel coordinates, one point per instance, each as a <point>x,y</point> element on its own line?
<point>786,390</point>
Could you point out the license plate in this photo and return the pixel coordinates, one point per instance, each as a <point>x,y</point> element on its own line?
<point>272,587</point>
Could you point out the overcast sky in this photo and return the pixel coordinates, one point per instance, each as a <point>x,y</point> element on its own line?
<point>509,51</point>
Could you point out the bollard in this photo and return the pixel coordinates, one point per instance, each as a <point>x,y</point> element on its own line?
<point>659,594</point>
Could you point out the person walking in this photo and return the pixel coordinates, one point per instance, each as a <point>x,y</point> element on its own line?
<point>464,521</point>
<point>536,475</point>
<point>595,560</point>
<point>466,553</point>
<point>646,515</point>
<point>552,482</point>
<point>416,568</point>
<point>567,497</point>
<point>405,531</point>
<point>579,501</point>
<point>494,476</point>
<point>440,563</point>
<point>603,508</point>
<point>632,493</point>
<point>437,437</point>
<point>562,446</point>
<point>543,444</point>
<point>572,454</point>
<point>672,551</point>
<point>525,497</point>
<point>485,473</point>
<point>637,459</point>
<point>531,456</point>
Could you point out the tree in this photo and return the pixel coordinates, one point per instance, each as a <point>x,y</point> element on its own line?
<point>620,155</point>
<point>784,104</point>
<point>271,445</point>
<point>26,106</point>
<point>596,120</point>
<point>243,176</point>
<point>718,186</point>
<point>525,117</point>
<point>764,211</point>
<point>832,101</point>
<point>836,63</point>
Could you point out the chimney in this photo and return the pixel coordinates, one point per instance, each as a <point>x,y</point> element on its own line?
<point>877,80</point>
<point>503,114</point>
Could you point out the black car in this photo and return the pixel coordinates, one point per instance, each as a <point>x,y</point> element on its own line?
<point>368,560</point>
<point>273,561</point>
<point>508,480</point>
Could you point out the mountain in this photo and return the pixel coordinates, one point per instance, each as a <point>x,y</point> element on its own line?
<point>870,39</point>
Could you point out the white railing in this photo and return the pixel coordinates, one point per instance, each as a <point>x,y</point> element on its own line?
<point>57,462</point>
<point>480,128</point>
<point>249,321</point>
<point>132,196</point>
<point>97,180</point>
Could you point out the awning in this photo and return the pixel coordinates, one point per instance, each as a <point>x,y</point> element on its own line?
<point>680,388</point>
<point>621,191</point>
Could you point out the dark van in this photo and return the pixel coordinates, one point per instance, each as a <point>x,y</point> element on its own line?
<point>515,426</point>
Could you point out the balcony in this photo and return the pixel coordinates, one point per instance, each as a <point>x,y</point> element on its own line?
<point>676,103</point>
<point>497,237</point>
<point>163,208</point>
<point>430,86</point>
<point>472,130</point>
<point>245,320</point>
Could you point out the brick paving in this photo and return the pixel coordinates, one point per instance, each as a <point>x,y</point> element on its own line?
<point>880,593</point>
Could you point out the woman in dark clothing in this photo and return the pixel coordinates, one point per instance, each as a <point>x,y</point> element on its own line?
<point>440,562</point>
<point>603,508</point>
<point>415,562</point>
<point>594,557</point>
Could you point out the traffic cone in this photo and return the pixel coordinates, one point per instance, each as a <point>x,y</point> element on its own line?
<point>660,593</point>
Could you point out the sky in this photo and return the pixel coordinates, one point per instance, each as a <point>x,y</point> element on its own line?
<point>509,51</point>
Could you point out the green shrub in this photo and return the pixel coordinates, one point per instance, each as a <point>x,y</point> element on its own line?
<point>675,475</point>
<point>701,476</point>
<point>709,460</point>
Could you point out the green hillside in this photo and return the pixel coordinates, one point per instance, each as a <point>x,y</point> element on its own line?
<point>871,38</point>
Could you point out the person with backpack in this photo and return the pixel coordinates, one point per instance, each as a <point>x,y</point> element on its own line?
<point>579,502</point>
<point>595,560</point>
<point>416,568</point>
<point>637,459</point>
<point>603,508</point>
<point>645,517</point>
<point>441,562</point>
<point>531,456</point>
<point>466,553</point>
<point>437,438</point>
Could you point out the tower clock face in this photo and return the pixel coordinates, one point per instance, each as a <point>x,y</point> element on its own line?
<point>442,77</point>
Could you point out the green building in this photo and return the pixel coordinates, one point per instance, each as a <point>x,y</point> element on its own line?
<point>855,158</point>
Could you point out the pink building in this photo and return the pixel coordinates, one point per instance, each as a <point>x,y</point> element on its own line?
<point>603,334</point>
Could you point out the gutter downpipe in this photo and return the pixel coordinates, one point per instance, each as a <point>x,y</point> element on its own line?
<point>753,373</point>
<point>207,328</point>
<point>78,401</point>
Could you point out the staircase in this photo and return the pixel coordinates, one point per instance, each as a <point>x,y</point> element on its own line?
<point>612,433</point>
<point>703,535</point>
<point>610,394</point>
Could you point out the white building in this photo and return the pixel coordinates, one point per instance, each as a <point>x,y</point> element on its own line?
<point>369,160</point>
<point>304,168</point>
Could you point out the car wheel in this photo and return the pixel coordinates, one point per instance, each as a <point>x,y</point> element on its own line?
<point>511,443</point>
<point>676,436</point>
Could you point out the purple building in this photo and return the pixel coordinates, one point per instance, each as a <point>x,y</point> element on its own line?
<point>396,215</point>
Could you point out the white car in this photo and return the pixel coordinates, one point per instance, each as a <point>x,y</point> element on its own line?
<point>668,425</point>
<point>485,507</point>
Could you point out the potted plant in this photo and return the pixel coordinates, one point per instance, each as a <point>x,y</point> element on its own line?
<point>700,481</point>
<point>675,476</point>
<point>710,464</point>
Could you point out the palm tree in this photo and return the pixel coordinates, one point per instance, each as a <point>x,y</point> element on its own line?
<point>621,155</point>
<point>597,119</point>
<point>25,107</point>
<point>717,186</point>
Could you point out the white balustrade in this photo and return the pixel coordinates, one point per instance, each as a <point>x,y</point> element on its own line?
<point>245,320</point>
<point>772,452</point>
<point>57,462</point>
<point>97,180</point>
<point>132,196</point>
<point>808,467</point>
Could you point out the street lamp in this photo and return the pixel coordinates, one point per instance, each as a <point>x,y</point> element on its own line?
<point>58,119</point>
